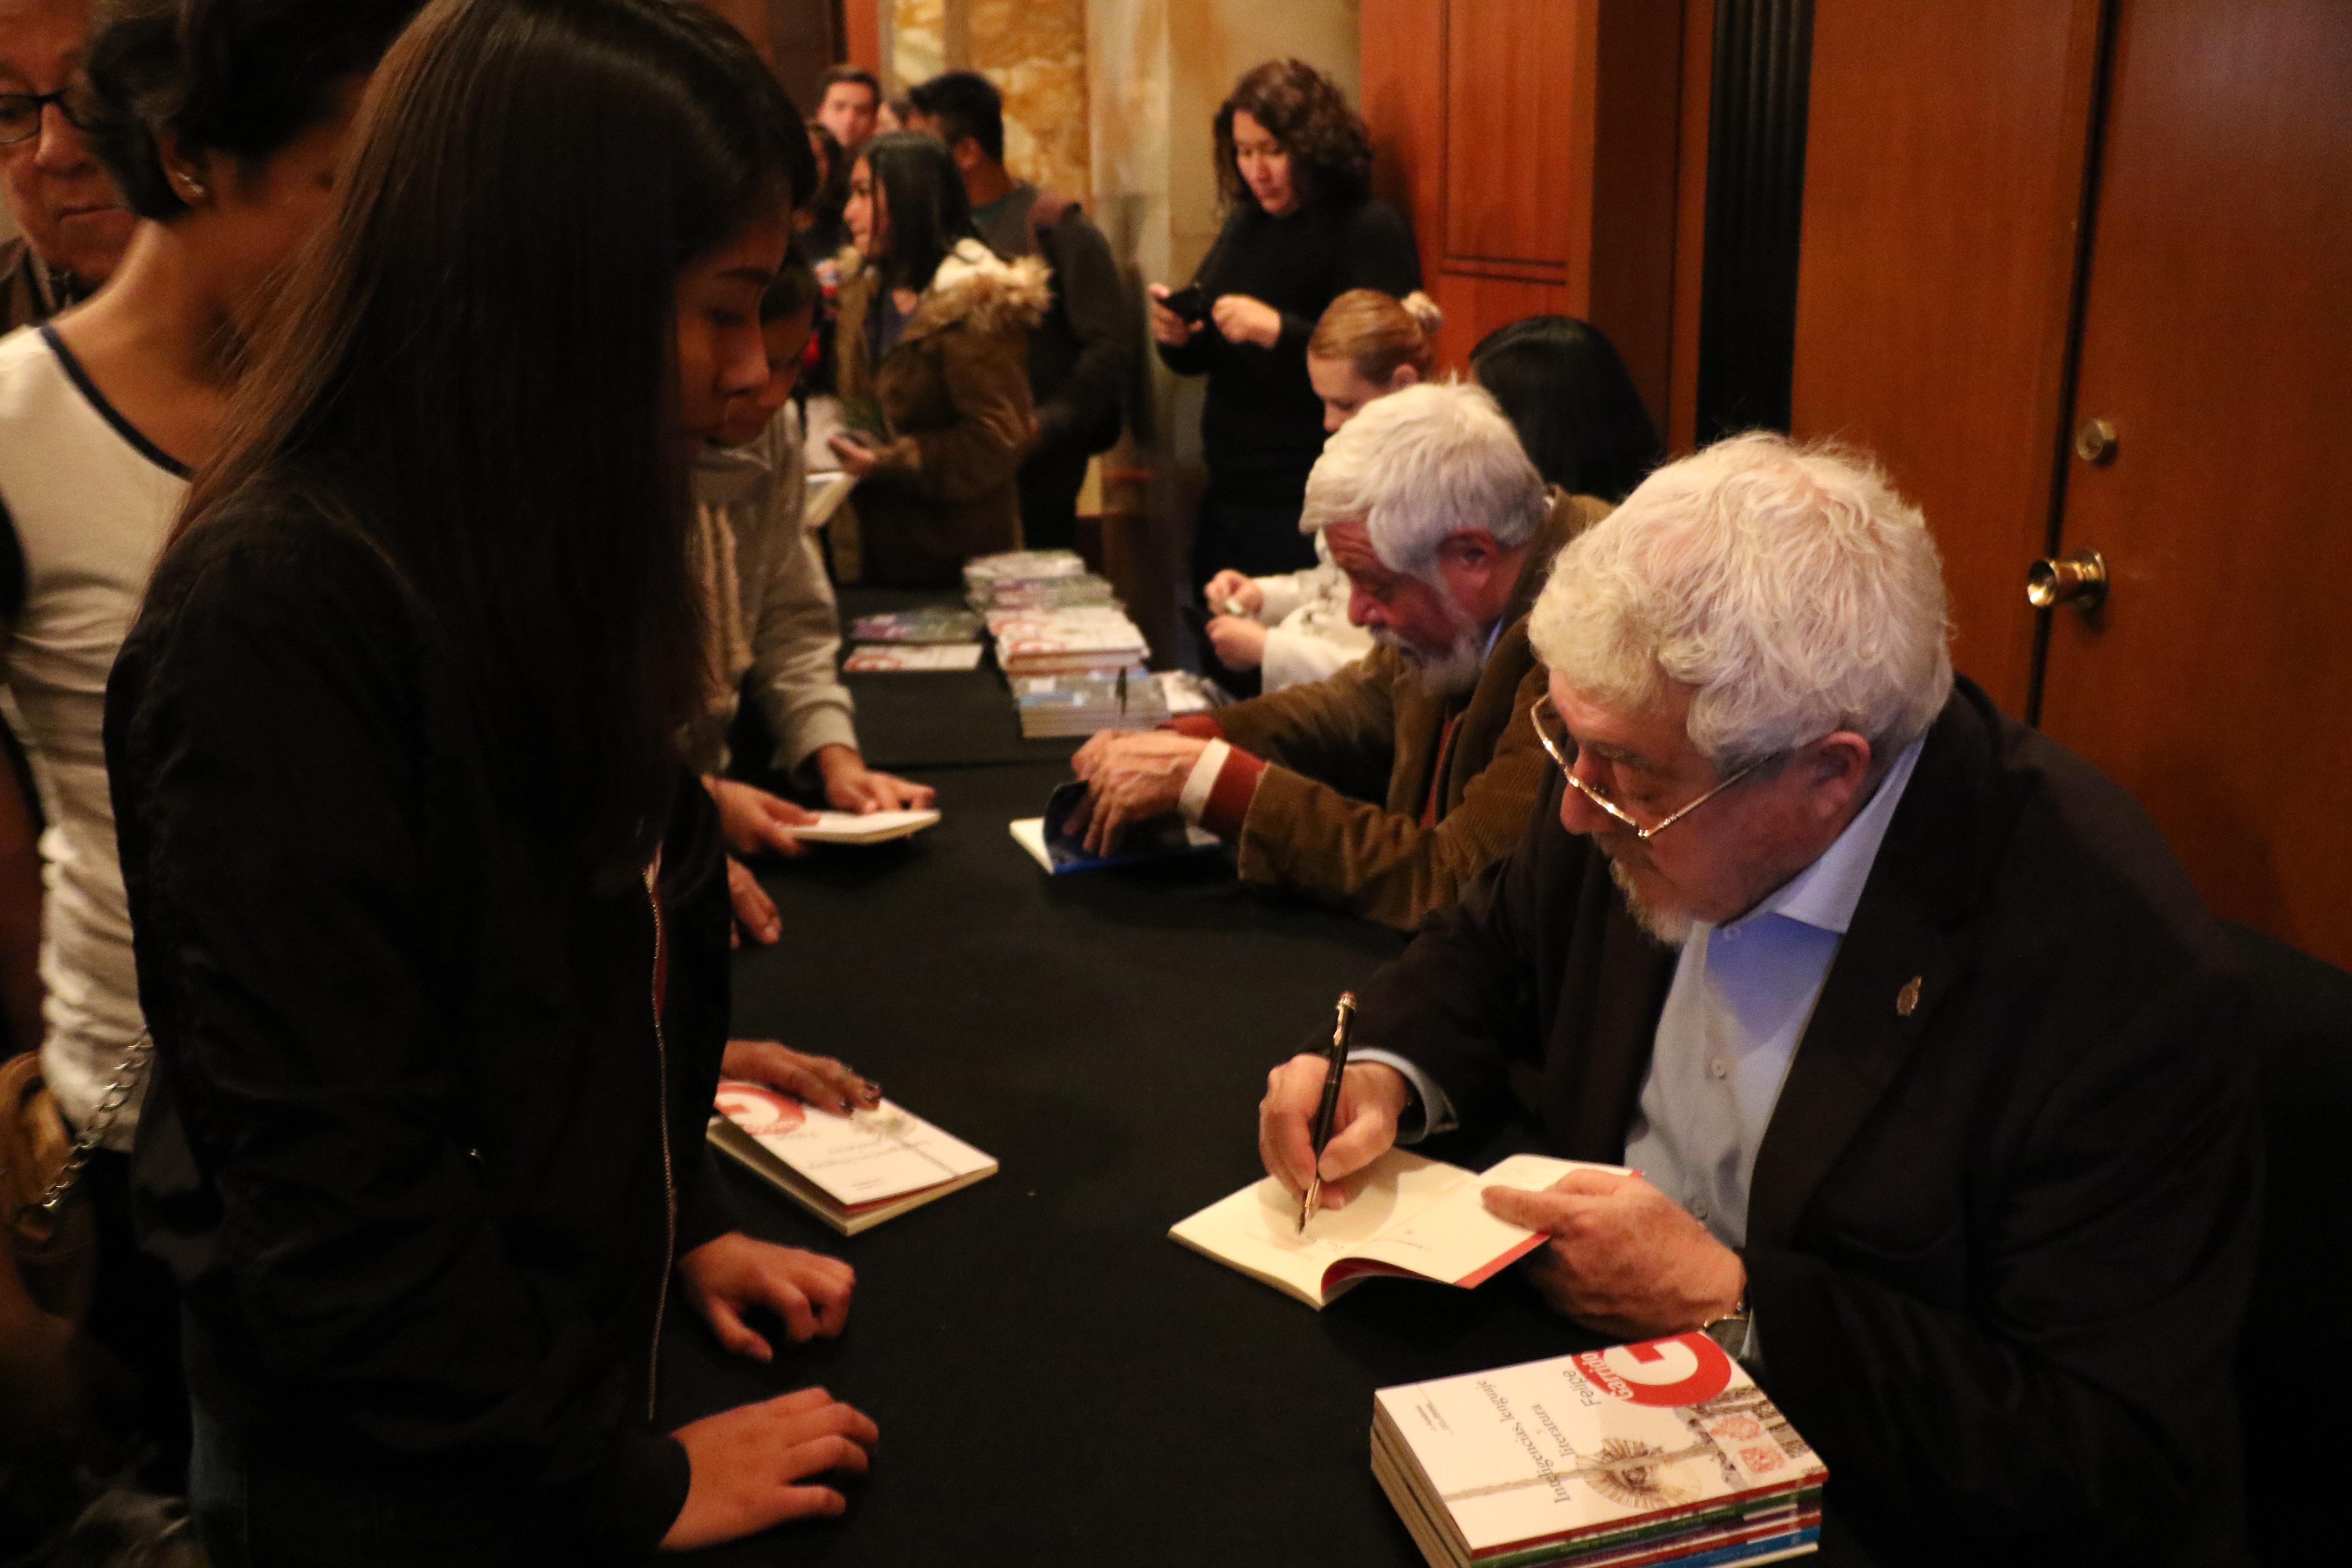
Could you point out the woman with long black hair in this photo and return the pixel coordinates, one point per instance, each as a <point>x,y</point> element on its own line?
<point>931,355</point>
<point>429,925</point>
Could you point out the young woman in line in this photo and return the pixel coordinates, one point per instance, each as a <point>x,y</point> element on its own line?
<point>430,926</point>
<point>932,366</point>
<point>1294,170</point>
<point>1573,402</point>
<point>221,124</point>
<point>1293,627</point>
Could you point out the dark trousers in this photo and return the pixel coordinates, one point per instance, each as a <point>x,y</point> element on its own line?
<point>135,1314</point>
<point>1050,482</point>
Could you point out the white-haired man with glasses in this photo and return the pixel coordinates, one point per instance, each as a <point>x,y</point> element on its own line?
<point>1918,1038</point>
<point>1385,787</point>
<point>72,226</point>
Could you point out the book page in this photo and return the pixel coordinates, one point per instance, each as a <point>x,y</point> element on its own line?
<point>1454,1239</point>
<point>1257,1229</point>
<point>868,1157</point>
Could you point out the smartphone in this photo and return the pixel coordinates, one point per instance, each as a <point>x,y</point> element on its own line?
<point>1190,303</point>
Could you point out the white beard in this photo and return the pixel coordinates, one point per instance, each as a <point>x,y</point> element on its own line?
<point>1448,674</point>
<point>1671,927</point>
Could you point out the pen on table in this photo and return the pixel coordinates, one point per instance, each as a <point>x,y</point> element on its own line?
<point>1335,1068</point>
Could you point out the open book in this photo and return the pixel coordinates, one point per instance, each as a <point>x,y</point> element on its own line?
<point>868,827</point>
<point>1407,1217</point>
<point>852,1172</point>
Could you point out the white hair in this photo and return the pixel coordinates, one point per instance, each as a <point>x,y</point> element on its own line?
<point>1424,464</point>
<point>1790,585</point>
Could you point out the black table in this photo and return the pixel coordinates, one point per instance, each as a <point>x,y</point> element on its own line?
<point>1055,1381</point>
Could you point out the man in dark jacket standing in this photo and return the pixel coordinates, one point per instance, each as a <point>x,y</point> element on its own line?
<point>1920,1043</point>
<point>1082,356</point>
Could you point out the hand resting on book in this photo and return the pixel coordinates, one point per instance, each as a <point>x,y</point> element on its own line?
<point>1624,1258</point>
<point>820,1082</point>
<point>1132,777</point>
<point>1372,1098</point>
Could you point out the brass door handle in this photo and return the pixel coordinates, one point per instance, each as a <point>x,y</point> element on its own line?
<point>2080,580</point>
<point>2097,441</point>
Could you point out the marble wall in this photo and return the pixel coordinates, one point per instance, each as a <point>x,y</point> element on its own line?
<point>1035,53</point>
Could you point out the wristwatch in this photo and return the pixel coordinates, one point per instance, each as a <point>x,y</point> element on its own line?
<point>1731,1331</point>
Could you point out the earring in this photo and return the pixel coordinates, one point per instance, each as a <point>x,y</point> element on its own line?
<point>190,188</point>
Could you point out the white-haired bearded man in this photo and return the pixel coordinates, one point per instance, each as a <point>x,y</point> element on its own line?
<point>1923,1046</point>
<point>1444,529</point>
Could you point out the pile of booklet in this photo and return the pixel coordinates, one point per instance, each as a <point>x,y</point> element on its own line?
<point>1049,642</point>
<point>1032,580</point>
<point>1081,702</point>
<point>1662,1452</point>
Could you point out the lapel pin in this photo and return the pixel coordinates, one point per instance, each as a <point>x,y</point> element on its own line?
<point>1906,1001</point>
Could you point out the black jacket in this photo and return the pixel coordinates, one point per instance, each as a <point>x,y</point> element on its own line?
<point>2000,1242</point>
<point>406,1147</point>
<point>1261,423</point>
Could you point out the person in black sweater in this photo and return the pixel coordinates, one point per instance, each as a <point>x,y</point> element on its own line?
<point>1293,164</point>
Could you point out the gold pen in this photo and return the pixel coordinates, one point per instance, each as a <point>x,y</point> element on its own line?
<point>1335,1068</point>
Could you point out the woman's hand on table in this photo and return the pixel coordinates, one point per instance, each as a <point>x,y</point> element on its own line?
<point>755,912</point>
<point>851,785</point>
<point>730,1276</point>
<point>1240,644</point>
<point>748,1465</point>
<point>754,822</point>
<point>818,1081</point>
<point>1242,319</point>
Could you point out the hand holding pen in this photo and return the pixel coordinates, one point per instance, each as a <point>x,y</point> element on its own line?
<point>1335,1068</point>
<point>1363,1124</point>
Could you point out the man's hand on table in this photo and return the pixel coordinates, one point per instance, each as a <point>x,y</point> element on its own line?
<point>746,1466</point>
<point>728,1276</point>
<point>818,1081</point>
<point>1132,776</point>
<point>1624,1258</point>
<point>1372,1096</point>
<point>851,785</point>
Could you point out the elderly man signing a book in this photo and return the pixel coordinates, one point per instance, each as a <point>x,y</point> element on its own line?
<point>1920,1042</point>
<point>1444,529</point>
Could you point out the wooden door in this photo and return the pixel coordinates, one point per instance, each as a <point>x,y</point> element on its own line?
<point>1945,156</point>
<point>1535,145</point>
<point>2216,337</point>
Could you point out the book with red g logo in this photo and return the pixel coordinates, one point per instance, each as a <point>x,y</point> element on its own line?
<point>1685,1369</point>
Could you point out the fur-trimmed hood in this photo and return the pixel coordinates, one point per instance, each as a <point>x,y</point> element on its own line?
<point>973,287</point>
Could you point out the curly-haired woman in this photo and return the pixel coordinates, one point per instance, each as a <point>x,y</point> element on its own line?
<point>1294,167</point>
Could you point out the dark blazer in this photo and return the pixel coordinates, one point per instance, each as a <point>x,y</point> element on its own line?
<point>1999,1243</point>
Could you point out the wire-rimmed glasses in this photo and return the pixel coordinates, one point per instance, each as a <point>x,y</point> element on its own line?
<point>1561,748</point>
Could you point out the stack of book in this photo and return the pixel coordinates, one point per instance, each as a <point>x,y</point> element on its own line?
<point>1056,642</point>
<point>1663,1452</point>
<point>1032,580</point>
<point>926,624</point>
<point>1081,702</point>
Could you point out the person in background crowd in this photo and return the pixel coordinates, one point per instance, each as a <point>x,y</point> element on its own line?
<point>1926,1054</point>
<point>1572,402</point>
<point>1082,356</point>
<point>1445,531</point>
<point>931,366</point>
<point>1294,168</point>
<point>895,115</point>
<point>1293,626</point>
<point>429,924</point>
<point>770,618</point>
<point>819,233</point>
<point>71,225</point>
<point>847,97</point>
<point>221,125</point>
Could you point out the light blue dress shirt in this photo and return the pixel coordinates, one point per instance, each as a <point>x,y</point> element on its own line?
<point>1741,996</point>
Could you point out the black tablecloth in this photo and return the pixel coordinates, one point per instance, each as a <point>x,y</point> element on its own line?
<point>1055,1381</point>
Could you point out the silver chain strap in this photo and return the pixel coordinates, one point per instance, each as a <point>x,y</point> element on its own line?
<point>128,1074</point>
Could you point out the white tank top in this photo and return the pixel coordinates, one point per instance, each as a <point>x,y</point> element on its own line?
<point>87,500</point>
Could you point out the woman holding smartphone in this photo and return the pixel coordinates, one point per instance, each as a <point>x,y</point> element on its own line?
<point>428,916</point>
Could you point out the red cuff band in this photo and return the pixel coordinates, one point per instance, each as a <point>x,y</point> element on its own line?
<point>1229,798</point>
<point>1198,726</point>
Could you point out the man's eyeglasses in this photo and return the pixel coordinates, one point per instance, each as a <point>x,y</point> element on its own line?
<point>1562,747</point>
<point>20,113</point>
